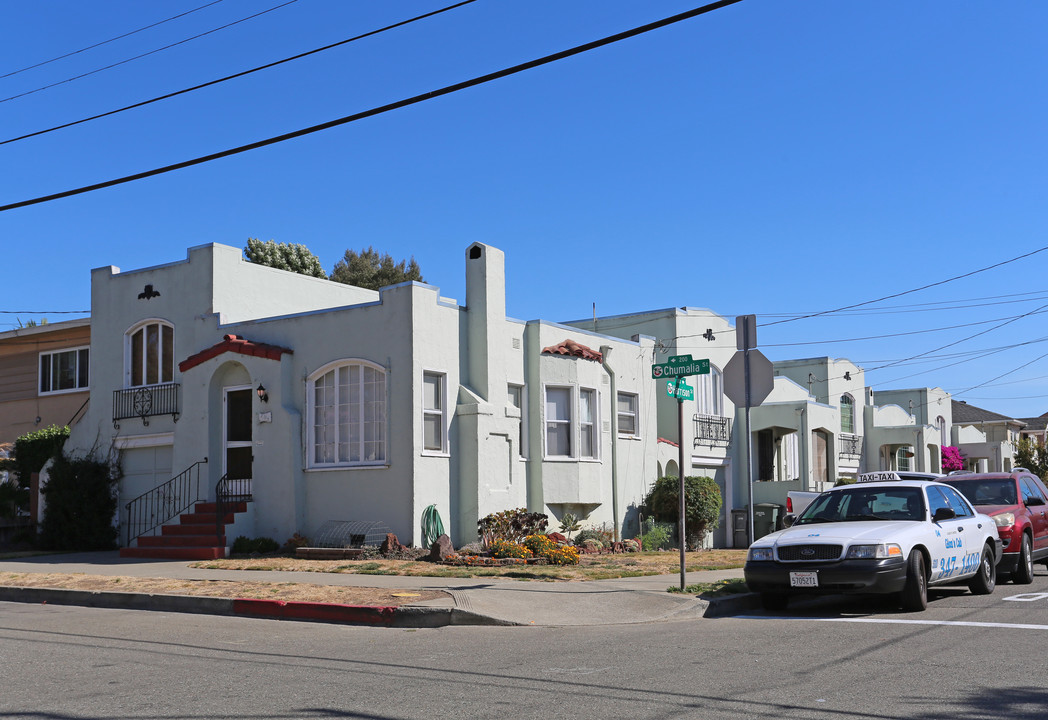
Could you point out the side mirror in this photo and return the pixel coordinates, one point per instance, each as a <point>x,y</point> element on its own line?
<point>943,514</point>
<point>788,520</point>
<point>1034,500</point>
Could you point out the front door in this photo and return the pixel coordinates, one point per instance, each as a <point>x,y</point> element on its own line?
<point>238,445</point>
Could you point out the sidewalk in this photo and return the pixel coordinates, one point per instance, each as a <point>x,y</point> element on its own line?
<point>472,601</point>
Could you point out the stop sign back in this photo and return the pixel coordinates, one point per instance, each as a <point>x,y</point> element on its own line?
<point>762,378</point>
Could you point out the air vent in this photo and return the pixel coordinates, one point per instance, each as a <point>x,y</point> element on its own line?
<point>516,343</point>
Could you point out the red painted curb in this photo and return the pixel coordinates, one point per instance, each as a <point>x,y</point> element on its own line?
<point>325,612</point>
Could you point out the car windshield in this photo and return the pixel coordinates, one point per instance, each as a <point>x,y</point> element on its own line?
<point>987,492</point>
<point>859,503</point>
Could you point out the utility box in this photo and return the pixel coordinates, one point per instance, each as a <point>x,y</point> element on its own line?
<point>740,528</point>
<point>766,518</point>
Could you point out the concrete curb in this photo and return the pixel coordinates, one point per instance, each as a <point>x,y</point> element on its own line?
<point>730,604</point>
<point>389,616</point>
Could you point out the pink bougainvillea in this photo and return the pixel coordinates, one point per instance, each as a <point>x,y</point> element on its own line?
<point>951,458</point>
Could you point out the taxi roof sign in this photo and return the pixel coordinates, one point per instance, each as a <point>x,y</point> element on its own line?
<point>894,476</point>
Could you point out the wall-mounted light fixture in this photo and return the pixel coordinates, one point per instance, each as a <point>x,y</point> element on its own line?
<point>709,335</point>
<point>847,375</point>
<point>262,394</point>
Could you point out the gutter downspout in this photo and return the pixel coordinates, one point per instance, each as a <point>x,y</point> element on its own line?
<point>605,351</point>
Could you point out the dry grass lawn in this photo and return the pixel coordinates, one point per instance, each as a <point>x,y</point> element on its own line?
<point>591,567</point>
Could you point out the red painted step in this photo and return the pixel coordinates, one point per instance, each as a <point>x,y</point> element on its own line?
<point>194,537</point>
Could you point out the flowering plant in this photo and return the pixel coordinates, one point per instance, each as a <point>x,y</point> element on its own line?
<point>952,458</point>
<point>507,549</point>
<point>563,555</point>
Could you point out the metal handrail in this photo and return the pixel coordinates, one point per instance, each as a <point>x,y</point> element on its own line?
<point>227,489</point>
<point>154,508</point>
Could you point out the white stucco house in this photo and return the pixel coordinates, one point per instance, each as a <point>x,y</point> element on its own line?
<point>319,401</point>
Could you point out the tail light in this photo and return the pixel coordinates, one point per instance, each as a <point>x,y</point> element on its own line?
<point>789,504</point>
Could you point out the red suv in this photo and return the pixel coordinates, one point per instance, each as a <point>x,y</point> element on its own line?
<point>1018,503</point>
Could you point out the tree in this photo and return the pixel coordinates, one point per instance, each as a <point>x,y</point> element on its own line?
<point>367,269</point>
<point>1033,456</point>
<point>702,505</point>
<point>285,256</point>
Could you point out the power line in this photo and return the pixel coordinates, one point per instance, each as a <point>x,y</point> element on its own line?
<point>908,292</point>
<point>957,342</point>
<point>931,306</point>
<point>237,75</point>
<point>447,90</point>
<point>106,42</point>
<point>147,54</point>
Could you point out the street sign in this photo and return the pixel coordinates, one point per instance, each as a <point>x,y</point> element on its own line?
<point>678,366</point>
<point>679,389</point>
<point>762,378</point>
<point>745,332</point>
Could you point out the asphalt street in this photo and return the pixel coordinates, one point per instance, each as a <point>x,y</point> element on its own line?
<point>965,657</point>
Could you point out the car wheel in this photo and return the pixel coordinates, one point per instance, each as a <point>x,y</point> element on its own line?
<point>915,592</point>
<point>986,579</point>
<point>774,601</point>
<point>1023,574</point>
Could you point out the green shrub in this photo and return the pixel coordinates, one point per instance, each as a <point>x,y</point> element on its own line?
<point>702,505</point>
<point>656,535</point>
<point>244,545</point>
<point>81,502</point>
<point>32,451</point>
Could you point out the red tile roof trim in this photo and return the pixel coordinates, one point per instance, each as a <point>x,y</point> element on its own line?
<point>573,349</point>
<point>236,344</point>
<point>668,442</point>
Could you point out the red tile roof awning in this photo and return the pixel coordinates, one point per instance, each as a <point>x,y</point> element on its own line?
<point>571,348</point>
<point>235,344</point>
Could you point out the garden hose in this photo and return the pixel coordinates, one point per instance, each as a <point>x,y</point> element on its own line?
<point>432,527</point>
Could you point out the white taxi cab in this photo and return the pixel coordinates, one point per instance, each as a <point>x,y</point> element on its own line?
<point>884,534</point>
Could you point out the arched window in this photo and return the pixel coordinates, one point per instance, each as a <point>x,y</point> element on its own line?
<point>847,414</point>
<point>149,354</point>
<point>347,411</point>
<point>940,422</point>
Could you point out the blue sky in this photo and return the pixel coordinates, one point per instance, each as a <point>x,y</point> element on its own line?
<point>774,158</point>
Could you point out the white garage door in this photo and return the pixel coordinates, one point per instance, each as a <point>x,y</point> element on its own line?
<point>144,469</point>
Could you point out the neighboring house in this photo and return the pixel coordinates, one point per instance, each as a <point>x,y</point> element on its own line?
<point>44,376</point>
<point>328,402</point>
<point>923,420</point>
<point>986,439</point>
<point>1035,429</point>
<point>707,429</point>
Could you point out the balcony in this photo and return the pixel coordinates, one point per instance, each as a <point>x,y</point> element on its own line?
<point>146,401</point>
<point>712,430</point>
<point>849,445</point>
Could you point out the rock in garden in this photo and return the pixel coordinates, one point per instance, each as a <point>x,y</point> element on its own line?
<point>441,549</point>
<point>391,545</point>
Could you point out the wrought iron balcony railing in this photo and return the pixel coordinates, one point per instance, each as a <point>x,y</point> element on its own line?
<point>712,430</point>
<point>850,445</point>
<point>146,401</point>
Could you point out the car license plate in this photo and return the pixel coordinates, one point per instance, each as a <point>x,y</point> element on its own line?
<point>804,579</point>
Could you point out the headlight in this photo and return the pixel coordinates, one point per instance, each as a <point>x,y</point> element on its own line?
<point>759,554</point>
<point>1004,519</point>
<point>874,552</point>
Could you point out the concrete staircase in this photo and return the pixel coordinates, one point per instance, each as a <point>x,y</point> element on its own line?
<point>193,537</point>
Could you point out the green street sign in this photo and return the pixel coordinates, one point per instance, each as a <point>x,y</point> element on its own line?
<point>680,366</point>
<point>679,389</point>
